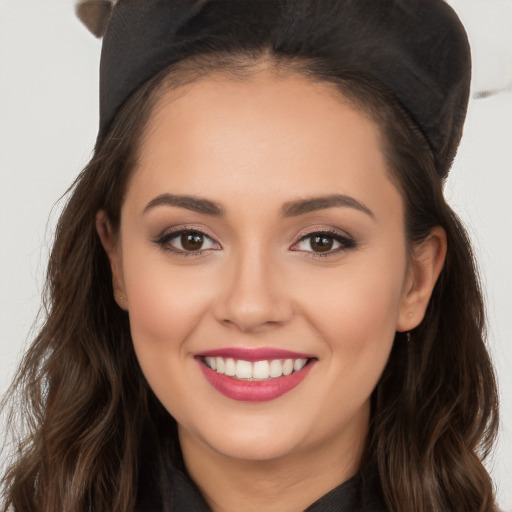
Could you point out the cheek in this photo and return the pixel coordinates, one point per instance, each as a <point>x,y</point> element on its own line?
<point>165,303</point>
<point>355,312</point>
<point>355,316</point>
<point>166,306</point>
<point>357,305</point>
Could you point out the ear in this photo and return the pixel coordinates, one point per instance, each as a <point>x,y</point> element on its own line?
<point>110,243</point>
<point>424,269</point>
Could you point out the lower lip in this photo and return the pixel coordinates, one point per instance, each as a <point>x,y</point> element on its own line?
<point>254,391</point>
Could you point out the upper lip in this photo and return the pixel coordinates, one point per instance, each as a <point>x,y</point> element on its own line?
<point>254,354</point>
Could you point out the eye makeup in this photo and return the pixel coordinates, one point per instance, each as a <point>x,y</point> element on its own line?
<point>192,241</point>
<point>187,241</point>
<point>322,242</point>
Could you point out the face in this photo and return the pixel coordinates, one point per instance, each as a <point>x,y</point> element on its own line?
<point>262,237</point>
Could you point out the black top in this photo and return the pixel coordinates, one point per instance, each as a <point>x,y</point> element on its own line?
<point>176,492</point>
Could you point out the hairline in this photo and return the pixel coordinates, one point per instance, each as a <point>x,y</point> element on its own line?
<point>177,80</point>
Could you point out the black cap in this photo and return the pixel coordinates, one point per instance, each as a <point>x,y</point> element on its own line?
<point>418,49</point>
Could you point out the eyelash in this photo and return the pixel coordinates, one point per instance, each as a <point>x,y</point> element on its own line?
<point>345,241</point>
<point>164,241</point>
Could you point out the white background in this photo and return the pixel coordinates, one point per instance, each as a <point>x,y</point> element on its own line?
<point>48,122</point>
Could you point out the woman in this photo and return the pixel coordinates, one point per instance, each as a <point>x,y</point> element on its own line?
<point>258,297</point>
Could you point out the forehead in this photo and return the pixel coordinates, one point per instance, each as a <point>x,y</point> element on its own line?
<point>273,100</point>
<point>257,134</point>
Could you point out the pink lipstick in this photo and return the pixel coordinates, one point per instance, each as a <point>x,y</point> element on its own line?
<point>254,375</point>
<point>255,354</point>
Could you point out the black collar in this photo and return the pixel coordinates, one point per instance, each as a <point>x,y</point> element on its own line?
<point>176,492</point>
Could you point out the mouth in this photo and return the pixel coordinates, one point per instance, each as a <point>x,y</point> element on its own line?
<point>254,371</point>
<point>254,375</point>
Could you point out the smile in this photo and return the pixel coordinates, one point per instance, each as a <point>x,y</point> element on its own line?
<point>254,371</point>
<point>254,375</point>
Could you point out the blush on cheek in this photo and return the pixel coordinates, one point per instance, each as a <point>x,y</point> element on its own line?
<point>163,302</point>
<point>159,321</point>
<point>362,311</point>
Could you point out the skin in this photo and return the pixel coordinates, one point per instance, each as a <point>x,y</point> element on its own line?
<point>253,146</point>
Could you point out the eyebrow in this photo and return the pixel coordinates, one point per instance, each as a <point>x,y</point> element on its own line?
<point>290,209</point>
<point>296,208</point>
<point>195,204</point>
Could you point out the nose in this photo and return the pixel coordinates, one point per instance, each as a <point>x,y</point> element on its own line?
<point>254,295</point>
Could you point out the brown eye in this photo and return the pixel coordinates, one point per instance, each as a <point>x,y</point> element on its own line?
<point>321,243</point>
<point>187,242</point>
<point>192,241</point>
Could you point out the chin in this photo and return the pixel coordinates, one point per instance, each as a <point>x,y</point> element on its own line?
<point>270,449</point>
<point>256,442</point>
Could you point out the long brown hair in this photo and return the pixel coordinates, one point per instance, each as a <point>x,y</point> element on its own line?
<point>87,408</point>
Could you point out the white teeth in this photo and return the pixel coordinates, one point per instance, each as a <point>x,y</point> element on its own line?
<point>220,365</point>
<point>243,369</point>
<point>298,364</point>
<point>258,370</point>
<point>230,368</point>
<point>287,367</point>
<point>211,362</point>
<point>276,368</point>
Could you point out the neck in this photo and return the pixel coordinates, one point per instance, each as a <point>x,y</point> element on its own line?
<point>285,484</point>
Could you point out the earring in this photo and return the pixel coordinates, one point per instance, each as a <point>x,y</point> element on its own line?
<point>119,298</point>
<point>408,335</point>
